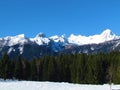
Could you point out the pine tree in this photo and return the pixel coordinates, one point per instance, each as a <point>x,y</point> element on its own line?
<point>92,71</point>
<point>40,69</point>
<point>5,67</point>
<point>26,70</point>
<point>45,68</point>
<point>34,74</point>
<point>52,69</point>
<point>81,68</point>
<point>65,68</point>
<point>18,72</point>
<point>117,71</point>
<point>73,68</point>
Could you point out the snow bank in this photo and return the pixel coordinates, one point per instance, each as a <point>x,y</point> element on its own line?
<point>31,85</point>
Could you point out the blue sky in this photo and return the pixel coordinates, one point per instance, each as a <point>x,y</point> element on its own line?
<point>86,17</point>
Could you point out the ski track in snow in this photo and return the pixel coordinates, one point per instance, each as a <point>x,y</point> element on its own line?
<point>32,85</point>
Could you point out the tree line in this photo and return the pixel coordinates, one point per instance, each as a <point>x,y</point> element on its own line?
<point>79,68</point>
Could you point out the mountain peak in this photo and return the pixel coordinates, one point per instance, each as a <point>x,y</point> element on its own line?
<point>13,40</point>
<point>40,39</point>
<point>21,35</point>
<point>14,37</point>
<point>107,32</point>
<point>106,35</point>
<point>41,35</point>
<point>57,38</point>
<point>109,35</point>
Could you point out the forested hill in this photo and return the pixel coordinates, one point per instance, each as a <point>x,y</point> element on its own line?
<point>74,68</point>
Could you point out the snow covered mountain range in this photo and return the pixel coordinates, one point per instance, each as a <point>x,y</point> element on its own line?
<point>41,45</point>
<point>41,39</point>
<point>106,35</point>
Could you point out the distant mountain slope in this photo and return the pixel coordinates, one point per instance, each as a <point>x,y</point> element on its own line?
<point>41,45</point>
<point>106,35</point>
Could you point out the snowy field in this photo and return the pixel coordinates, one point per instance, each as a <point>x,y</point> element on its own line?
<point>30,85</point>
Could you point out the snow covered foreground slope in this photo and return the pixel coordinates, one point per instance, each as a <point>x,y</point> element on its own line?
<point>30,85</point>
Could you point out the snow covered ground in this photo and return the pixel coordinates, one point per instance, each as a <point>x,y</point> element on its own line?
<point>31,85</point>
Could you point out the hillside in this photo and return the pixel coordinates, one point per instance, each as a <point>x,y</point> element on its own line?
<point>31,85</point>
<point>41,45</point>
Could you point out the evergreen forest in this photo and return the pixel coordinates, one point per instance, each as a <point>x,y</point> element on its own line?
<point>80,68</point>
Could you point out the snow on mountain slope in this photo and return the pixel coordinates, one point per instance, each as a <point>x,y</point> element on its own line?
<point>59,40</point>
<point>106,35</point>
<point>40,39</point>
<point>42,45</point>
<point>13,40</point>
<point>32,85</point>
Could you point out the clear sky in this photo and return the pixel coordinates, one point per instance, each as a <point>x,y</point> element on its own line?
<point>85,17</point>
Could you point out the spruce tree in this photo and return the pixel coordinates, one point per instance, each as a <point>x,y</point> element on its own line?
<point>26,70</point>
<point>5,67</point>
<point>34,74</point>
<point>51,69</point>
<point>18,72</point>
